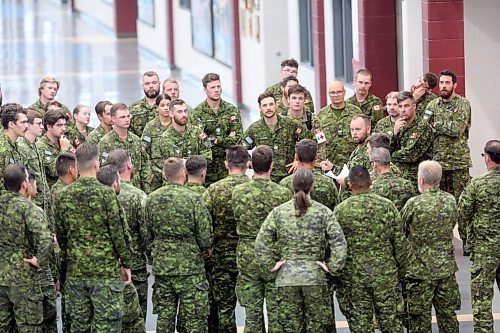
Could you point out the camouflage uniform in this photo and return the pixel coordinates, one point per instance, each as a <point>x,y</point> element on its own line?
<point>133,144</point>
<point>150,139</point>
<point>302,283</point>
<point>9,154</point>
<point>359,156</point>
<point>133,200</point>
<point>176,250</point>
<point>336,125</point>
<point>49,152</point>
<point>429,220</point>
<point>255,282</point>
<point>275,89</point>
<point>192,142</point>
<point>218,124</point>
<point>38,106</point>
<point>195,187</point>
<point>25,234</point>
<point>95,136</point>
<point>224,273</point>
<point>75,136</point>
<point>305,127</point>
<point>423,101</point>
<point>479,208</point>
<point>369,282</point>
<point>372,107</point>
<point>141,113</point>
<point>410,147</point>
<point>394,188</point>
<point>386,126</point>
<point>92,233</point>
<point>281,139</point>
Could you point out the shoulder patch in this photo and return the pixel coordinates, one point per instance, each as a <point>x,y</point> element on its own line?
<point>104,154</point>
<point>377,107</point>
<point>413,136</point>
<point>249,140</point>
<point>320,136</point>
<point>202,136</point>
<point>76,142</point>
<point>233,118</point>
<point>47,152</point>
<point>72,150</point>
<point>298,130</point>
<point>146,138</point>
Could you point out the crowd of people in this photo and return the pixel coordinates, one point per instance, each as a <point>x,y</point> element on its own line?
<point>165,184</point>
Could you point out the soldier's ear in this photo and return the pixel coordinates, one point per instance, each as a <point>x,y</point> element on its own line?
<point>226,164</point>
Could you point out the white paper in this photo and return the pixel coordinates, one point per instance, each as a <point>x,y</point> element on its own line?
<point>344,173</point>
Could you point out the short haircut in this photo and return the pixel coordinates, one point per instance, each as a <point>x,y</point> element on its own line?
<point>237,157</point>
<point>171,80</point>
<point>13,177</point>
<point>116,107</point>
<point>290,63</point>
<point>53,116</point>
<point>392,94</point>
<point>63,162</point>
<point>78,108</point>
<point>210,77</point>
<point>297,89</point>
<point>306,150</point>
<point>172,168</point>
<point>265,95</point>
<point>492,148</point>
<point>363,71</point>
<point>262,158</point>
<point>44,81</point>
<point>150,73</point>
<point>175,102</point>
<point>449,72</point>
<point>100,107</point>
<point>366,120</point>
<point>288,79</point>
<point>379,140</point>
<point>195,164</point>
<point>32,115</point>
<point>119,159</point>
<point>107,175</point>
<point>86,155</point>
<point>10,112</point>
<point>404,95</point>
<point>161,97</point>
<point>381,156</point>
<point>53,103</point>
<point>359,177</point>
<point>430,172</point>
<point>431,79</point>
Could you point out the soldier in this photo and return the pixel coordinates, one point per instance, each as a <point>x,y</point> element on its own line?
<point>292,242</point>
<point>422,91</point>
<point>121,137</point>
<point>324,191</point>
<point>335,120</point>
<point>92,233</point>
<point>282,103</point>
<point>386,124</point>
<point>25,247</point>
<point>223,276</point>
<point>67,173</point>
<point>133,318</point>
<point>289,67</point>
<point>429,220</point>
<point>479,208</point>
<point>254,283</point>
<point>387,184</point>
<point>380,140</point>
<point>103,111</point>
<point>79,130</point>
<point>47,92</point>
<point>412,138</point>
<point>151,137</point>
<point>370,104</point>
<point>176,249</point>
<point>306,122</point>
<point>221,121</point>
<point>369,282</point>
<point>53,142</point>
<point>170,87</point>
<point>133,200</point>
<point>196,169</point>
<point>144,110</point>
<point>34,158</point>
<point>15,124</point>
<point>275,131</point>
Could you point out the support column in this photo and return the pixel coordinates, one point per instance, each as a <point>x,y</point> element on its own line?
<point>170,34</point>
<point>378,44</point>
<point>237,81</point>
<point>443,38</point>
<point>318,33</point>
<point>125,18</point>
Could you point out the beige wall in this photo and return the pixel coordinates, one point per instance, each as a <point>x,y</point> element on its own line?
<point>98,10</point>
<point>154,38</point>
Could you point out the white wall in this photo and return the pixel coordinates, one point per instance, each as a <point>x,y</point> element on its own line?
<point>482,56</point>
<point>154,39</point>
<point>98,10</point>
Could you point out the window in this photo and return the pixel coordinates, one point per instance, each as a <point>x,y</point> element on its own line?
<point>305,22</point>
<point>342,39</point>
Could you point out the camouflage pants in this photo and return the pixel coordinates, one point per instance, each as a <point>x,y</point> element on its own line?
<point>49,324</point>
<point>359,303</point>
<point>133,320</point>
<point>484,271</point>
<point>95,306</point>
<point>443,294</point>
<point>190,294</point>
<point>21,309</point>
<point>140,281</point>
<point>308,306</point>
<point>454,182</point>
<point>213,312</point>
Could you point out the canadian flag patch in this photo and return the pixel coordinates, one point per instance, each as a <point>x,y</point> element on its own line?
<point>72,150</point>
<point>232,118</point>
<point>202,136</point>
<point>320,136</point>
<point>298,131</point>
<point>413,136</point>
<point>377,107</point>
<point>77,142</point>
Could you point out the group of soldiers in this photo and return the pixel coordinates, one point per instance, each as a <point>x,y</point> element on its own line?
<point>161,183</point>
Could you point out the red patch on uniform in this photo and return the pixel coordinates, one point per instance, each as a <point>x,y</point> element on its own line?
<point>298,131</point>
<point>68,114</point>
<point>377,107</point>
<point>72,150</point>
<point>413,136</point>
<point>232,118</point>
<point>202,136</point>
<point>76,142</point>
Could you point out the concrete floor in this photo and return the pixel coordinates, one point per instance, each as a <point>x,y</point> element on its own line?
<point>39,38</point>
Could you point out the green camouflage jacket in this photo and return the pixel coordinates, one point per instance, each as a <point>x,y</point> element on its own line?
<point>372,107</point>
<point>150,140</point>
<point>96,135</point>
<point>140,114</point>
<point>9,154</point>
<point>385,125</point>
<point>394,188</point>
<point>275,89</point>
<point>49,152</point>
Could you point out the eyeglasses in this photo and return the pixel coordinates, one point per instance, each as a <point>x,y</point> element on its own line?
<point>338,92</point>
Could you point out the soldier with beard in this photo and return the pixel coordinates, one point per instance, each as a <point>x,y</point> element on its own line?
<point>144,110</point>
